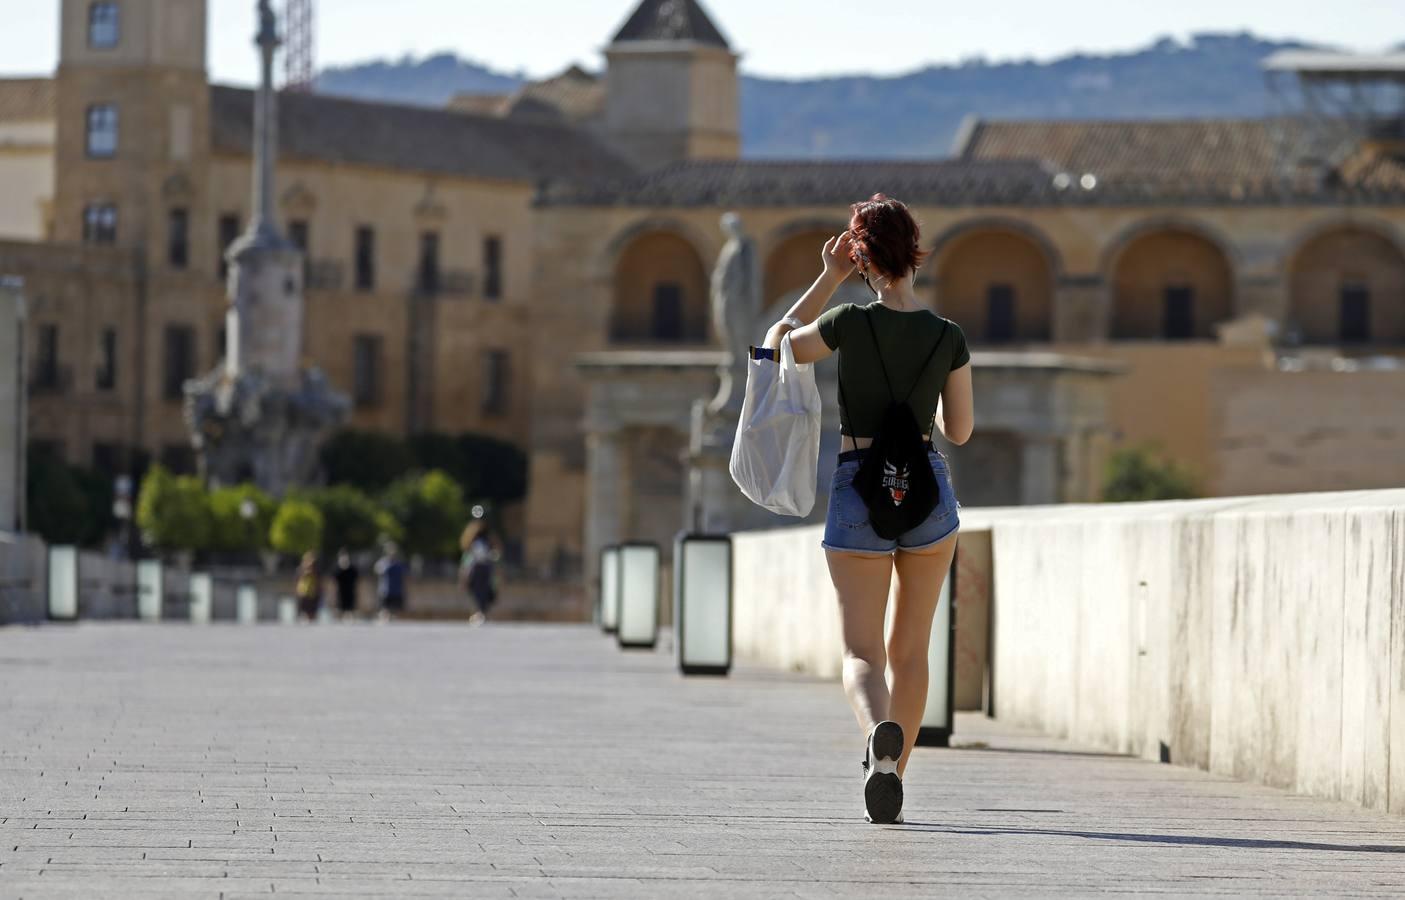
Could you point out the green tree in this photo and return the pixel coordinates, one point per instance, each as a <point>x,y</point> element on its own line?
<point>352,519</point>
<point>368,460</point>
<point>1141,473</point>
<point>173,512</point>
<point>494,470</point>
<point>57,506</point>
<point>297,527</point>
<point>431,512</point>
<point>230,531</point>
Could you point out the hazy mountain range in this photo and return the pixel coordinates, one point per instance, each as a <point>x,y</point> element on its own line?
<point>915,115</point>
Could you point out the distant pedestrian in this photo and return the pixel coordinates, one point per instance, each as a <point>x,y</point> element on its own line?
<point>309,587</point>
<point>346,575</point>
<point>478,569</point>
<point>390,581</point>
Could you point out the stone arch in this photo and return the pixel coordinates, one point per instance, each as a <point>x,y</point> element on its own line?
<point>1169,280</point>
<point>1346,284</point>
<point>660,290</point>
<point>793,261</point>
<point>996,277</point>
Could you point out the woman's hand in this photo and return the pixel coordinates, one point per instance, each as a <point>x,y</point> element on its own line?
<point>835,256</point>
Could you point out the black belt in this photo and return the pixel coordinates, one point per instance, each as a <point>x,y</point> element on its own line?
<point>851,455</point>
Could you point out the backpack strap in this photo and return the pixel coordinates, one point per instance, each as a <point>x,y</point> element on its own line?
<point>923,371</point>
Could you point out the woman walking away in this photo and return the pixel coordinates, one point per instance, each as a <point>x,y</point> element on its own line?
<point>477,569</point>
<point>899,362</point>
<point>346,575</point>
<point>309,587</point>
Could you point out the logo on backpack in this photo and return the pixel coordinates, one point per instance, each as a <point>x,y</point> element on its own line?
<point>895,481</point>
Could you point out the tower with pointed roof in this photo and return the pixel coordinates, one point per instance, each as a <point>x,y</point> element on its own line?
<point>671,86</point>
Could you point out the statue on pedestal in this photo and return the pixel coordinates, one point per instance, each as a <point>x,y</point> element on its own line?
<point>261,414</point>
<point>736,301</point>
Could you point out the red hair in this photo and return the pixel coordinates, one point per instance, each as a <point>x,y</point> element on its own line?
<point>885,238</point>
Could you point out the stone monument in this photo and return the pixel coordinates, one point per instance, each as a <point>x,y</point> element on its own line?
<point>714,502</point>
<point>261,414</point>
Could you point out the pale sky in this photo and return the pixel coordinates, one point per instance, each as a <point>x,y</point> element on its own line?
<point>788,38</point>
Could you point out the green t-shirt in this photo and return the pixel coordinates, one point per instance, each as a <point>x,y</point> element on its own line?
<point>906,339</point>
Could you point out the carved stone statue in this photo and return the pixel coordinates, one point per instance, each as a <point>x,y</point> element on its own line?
<point>736,301</point>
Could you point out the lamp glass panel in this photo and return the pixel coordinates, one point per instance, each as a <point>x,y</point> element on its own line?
<point>287,610</point>
<point>639,594</point>
<point>149,589</point>
<point>202,597</point>
<point>706,610</point>
<point>63,582</point>
<point>610,589</point>
<point>937,714</point>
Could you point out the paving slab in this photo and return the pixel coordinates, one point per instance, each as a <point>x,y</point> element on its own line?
<point>540,761</point>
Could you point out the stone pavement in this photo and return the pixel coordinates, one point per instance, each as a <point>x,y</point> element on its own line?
<point>539,761</point>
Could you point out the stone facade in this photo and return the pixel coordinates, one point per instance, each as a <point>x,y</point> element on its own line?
<point>550,232</point>
<point>12,405</point>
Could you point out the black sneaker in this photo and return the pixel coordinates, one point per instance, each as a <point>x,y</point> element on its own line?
<point>882,788</point>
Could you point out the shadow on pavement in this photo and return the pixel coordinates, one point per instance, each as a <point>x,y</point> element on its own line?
<point>1188,839</point>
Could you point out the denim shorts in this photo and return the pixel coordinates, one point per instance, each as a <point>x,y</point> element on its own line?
<point>847,529</point>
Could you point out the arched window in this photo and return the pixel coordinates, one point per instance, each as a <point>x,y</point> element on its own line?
<point>660,292</point>
<point>1170,284</point>
<point>998,285</point>
<point>1347,286</point>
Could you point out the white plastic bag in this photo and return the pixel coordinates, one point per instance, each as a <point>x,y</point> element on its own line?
<point>775,458</point>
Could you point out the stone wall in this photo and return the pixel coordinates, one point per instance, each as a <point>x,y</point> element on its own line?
<point>1262,638</point>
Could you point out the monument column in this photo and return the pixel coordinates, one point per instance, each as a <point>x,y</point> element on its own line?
<point>607,478</point>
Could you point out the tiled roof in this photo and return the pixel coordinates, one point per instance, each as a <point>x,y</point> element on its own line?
<point>436,141</point>
<point>1182,159</point>
<point>26,99</point>
<point>762,184</point>
<point>576,94</point>
<point>670,20</point>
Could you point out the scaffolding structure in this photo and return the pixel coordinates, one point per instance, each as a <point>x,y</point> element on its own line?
<point>1328,106</point>
<point>299,58</point>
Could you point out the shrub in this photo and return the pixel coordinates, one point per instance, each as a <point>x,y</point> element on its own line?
<point>351,519</point>
<point>297,527</point>
<point>57,507</point>
<point>1141,473</point>
<point>230,531</point>
<point>368,460</point>
<point>431,512</point>
<point>173,512</point>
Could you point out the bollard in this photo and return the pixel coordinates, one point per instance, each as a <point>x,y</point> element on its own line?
<point>639,595</point>
<point>63,583</point>
<point>246,604</point>
<point>202,598</point>
<point>287,610</point>
<point>937,721</point>
<point>702,603</point>
<point>608,601</point>
<point>151,589</point>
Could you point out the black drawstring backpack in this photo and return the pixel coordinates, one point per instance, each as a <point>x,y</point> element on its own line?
<point>895,479</point>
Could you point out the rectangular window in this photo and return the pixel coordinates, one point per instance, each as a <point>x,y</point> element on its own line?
<point>1355,313</point>
<point>492,268</point>
<point>46,361</point>
<point>228,234</point>
<point>179,360</point>
<point>366,375</point>
<point>103,27</point>
<point>497,375</point>
<point>365,258</point>
<point>299,232</point>
<point>178,237</point>
<point>428,278</point>
<point>102,130</point>
<point>1178,319</point>
<point>1000,313</point>
<point>100,223</point>
<point>106,377</point>
<point>667,324</point>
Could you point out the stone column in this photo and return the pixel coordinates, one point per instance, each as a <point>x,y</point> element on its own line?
<point>607,477</point>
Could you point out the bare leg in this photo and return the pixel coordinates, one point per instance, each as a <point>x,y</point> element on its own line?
<point>920,576</point>
<point>862,585</point>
